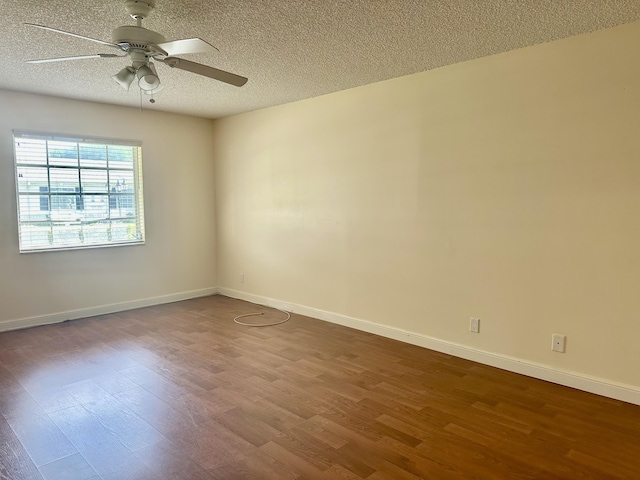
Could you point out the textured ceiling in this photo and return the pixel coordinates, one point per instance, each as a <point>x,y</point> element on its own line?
<point>289,49</point>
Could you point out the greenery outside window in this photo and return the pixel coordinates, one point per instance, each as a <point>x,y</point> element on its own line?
<point>77,192</point>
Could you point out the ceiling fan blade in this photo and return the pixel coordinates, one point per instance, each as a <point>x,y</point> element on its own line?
<point>221,75</point>
<point>101,42</point>
<point>186,46</point>
<point>79,57</point>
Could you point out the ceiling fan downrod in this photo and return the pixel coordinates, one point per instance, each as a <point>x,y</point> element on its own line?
<point>139,10</point>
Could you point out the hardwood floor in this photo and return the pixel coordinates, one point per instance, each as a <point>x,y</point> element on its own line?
<point>181,392</point>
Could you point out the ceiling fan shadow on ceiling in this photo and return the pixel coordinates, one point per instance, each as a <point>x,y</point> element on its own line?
<point>142,46</point>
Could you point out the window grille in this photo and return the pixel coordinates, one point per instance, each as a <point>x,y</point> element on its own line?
<point>77,192</point>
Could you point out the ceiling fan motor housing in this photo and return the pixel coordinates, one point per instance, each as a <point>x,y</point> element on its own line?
<point>136,37</point>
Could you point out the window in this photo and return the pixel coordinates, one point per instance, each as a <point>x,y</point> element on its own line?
<point>77,192</point>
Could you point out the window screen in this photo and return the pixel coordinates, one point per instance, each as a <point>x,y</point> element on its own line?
<point>77,192</point>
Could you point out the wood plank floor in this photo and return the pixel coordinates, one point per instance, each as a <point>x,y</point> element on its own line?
<point>181,392</point>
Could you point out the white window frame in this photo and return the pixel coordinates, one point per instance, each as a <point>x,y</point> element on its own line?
<point>64,205</point>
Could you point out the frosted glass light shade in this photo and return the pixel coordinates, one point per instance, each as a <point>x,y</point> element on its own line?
<point>147,79</point>
<point>125,77</point>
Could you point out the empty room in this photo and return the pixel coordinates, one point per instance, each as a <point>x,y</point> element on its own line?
<point>306,239</point>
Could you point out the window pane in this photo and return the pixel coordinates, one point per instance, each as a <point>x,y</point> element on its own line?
<point>92,155</point>
<point>96,207</point>
<point>31,151</point>
<point>94,181</point>
<point>120,181</point>
<point>32,208</point>
<point>64,180</point>
<point>32,179</point>
<point>63,153</point>
<point>122,206</point>
<point>120,156</point>
<point>64,208</point>
<point>67,234</point>
<point>96,233</point>
<point>123,230</point>
<point>35,235</point>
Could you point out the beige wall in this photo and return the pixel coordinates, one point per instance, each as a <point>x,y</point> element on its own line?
<point>506,188</point>
<point>179,254</point>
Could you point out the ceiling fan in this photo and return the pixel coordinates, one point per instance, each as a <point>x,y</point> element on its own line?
<point>142,46</point>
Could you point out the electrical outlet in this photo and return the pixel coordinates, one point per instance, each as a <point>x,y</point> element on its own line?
<point>474,325</point>
<point>242,278</point>
<point>557,342</point>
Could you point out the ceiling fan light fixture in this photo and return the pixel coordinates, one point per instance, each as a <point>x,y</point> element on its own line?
<point>125,77</point>
<point>147,79</point>
<point>154,91</point>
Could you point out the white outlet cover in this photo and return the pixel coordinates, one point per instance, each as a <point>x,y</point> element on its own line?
<point>474,325</point>
<point>558,342</point>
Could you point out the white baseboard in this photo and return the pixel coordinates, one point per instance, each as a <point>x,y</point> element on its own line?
<point>103,309</point>
<point>599,386</point>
